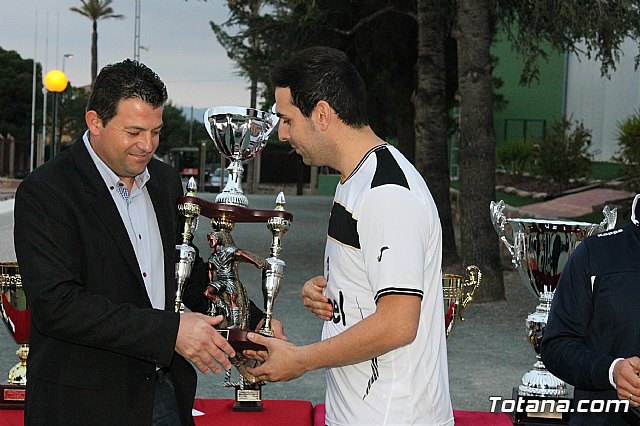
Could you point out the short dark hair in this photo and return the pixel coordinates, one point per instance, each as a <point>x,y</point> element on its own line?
<point>323,73</point>
<point>125,80</point>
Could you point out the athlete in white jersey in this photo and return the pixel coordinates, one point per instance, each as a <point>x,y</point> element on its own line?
<point>384,238</point>
<point>383,343</point>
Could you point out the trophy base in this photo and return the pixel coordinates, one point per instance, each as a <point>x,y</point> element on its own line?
<point>540,410</point>
<point>248,399</point>
<point>12,397</point>
<point>239,341</point>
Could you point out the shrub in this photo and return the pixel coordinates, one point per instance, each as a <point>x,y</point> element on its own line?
<point>563,153</point>
<point>513,156</point>
<point>629,152</point>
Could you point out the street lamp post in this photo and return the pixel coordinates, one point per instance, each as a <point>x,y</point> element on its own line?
<point>64,57</point>
<point>57,105</point>
<point>55,81</point>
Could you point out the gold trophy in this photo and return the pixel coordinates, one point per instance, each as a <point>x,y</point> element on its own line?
<point>458,292</point>
<point>15,314</point>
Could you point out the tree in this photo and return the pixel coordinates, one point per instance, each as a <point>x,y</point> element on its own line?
<point>95,10</point>
<point>175,130</point>
<point>476,146</point>
<point>431,117</point>
<point>16,82</point>
<point>367,33</point>
<point>594,28</point>
<point>71,112</point>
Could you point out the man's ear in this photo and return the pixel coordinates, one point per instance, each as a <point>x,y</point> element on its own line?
<point>323,114</point>
<point>94,123</point>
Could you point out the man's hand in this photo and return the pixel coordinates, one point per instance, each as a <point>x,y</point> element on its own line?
<point>625,375</point>
<point>314,300</point>
<point>284,362</point>
<point>201,344</point>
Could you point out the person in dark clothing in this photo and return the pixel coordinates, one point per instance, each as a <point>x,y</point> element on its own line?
<point>592,338</point>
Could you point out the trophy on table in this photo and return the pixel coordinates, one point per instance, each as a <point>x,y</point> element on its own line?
<point>539,249</point>
<point>240,134</point>
<point>15,314</point>
<point>458,292</point>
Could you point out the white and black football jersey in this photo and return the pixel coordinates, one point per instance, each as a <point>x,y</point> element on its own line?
<point>385,238</point>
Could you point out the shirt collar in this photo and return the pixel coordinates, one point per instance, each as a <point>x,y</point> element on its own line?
<point>109,177</point>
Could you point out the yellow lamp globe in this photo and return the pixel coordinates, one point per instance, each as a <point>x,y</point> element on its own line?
<point>55,81</point>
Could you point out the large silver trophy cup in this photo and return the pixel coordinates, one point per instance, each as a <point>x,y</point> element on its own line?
<point>240,134</point>
<point>539,249</point>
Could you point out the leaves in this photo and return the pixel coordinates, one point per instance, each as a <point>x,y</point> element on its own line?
<point>595,28</point>
<point>563,154</point>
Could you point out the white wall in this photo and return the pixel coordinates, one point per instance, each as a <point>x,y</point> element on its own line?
<point>601,102</point>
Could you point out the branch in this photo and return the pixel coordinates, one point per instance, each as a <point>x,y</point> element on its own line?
<point>371,17</point>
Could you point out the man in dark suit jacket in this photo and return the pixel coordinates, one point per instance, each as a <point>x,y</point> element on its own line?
<point>97,263</point>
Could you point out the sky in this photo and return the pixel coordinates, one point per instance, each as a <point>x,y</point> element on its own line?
<point>176,39</point>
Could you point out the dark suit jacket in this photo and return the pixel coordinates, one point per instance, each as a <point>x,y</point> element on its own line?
<point>95,340</point>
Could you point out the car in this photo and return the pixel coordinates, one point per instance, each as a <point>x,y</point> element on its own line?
<point>214,178</point>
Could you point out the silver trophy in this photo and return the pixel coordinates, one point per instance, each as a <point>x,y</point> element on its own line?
<point>240,134</point>
<point>273,271</point>
<point>185,253</point>
<point>226,293</point>
<point>539,249</point>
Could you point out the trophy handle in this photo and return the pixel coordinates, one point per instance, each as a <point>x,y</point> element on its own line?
<point>499,220</point>
<point>610,218</point>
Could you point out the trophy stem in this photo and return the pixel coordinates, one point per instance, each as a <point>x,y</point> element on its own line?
<point>539,381</point>
<point>232,192</point>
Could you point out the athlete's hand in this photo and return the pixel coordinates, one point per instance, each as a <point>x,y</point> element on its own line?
<point>314,299</point>
<point>284,362</point>
<point>278,333</point>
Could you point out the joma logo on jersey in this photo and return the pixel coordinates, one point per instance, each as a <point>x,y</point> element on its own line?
<point>338,309</point>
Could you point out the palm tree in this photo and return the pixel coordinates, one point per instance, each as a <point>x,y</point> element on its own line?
<point>95,10</point>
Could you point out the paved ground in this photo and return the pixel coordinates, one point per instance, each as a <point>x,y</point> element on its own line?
<point>574,205</point>
<point>488,353</point>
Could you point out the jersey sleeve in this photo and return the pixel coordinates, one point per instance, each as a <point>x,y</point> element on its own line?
<point>394,234</point>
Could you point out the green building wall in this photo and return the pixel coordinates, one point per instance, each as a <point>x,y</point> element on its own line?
<point>529,109</point>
